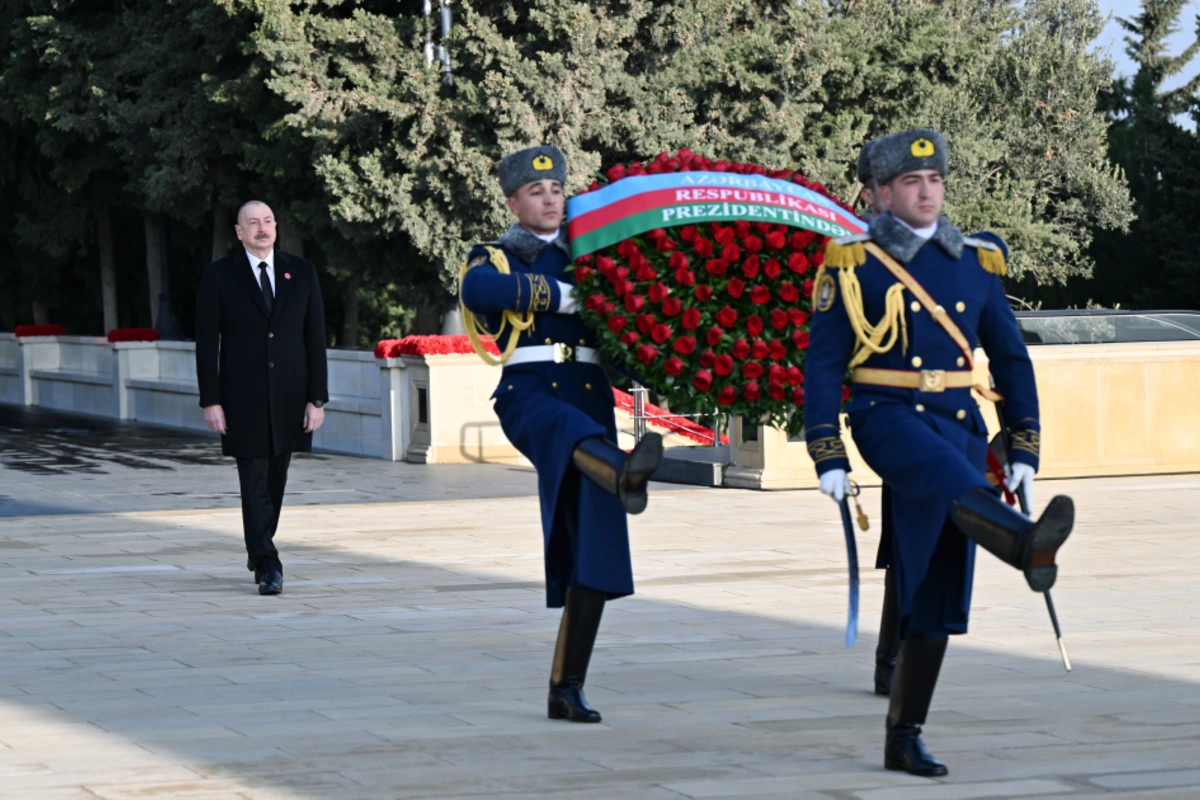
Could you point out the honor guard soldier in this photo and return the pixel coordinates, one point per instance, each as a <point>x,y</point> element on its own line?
<point>555,405</point>
<point>901,307</point>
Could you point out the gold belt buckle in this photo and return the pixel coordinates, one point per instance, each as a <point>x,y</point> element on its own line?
<point>933,381</point>
<point>563,353</point>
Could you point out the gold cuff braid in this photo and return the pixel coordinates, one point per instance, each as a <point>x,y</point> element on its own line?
<point>540,297</point>
<point>827,448</point>
<point>1028,440</point>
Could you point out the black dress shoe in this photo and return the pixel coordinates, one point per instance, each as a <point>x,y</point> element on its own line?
<point>271,582</point>
<point>568,702</point>
<point>905,751</point>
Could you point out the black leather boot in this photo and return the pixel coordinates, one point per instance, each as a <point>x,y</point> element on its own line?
<point>1014,538</point>
<point>618,473</point>
<point>576,636</point>
<point>917,669</point>
<point>889,636</point>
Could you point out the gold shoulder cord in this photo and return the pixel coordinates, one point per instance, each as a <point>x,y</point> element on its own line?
<point>870,337</point>
<point>477,328</point>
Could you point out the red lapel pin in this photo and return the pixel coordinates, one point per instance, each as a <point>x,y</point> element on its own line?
<point>287,275</point>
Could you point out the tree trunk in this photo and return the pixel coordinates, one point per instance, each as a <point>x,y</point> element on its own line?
<point>108,267</point>
<point>350,310</point>
<point>222,233</point>
<point>288,238</point>
<point>153,263</point>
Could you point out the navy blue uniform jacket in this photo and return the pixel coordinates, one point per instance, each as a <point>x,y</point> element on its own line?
<point>546,409</point>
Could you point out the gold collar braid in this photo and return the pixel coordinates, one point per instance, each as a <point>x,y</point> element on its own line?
<point>477,328</point>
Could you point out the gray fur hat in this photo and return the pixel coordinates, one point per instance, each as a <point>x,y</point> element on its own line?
<point>864,164</point>
<point>529,165</point>
<point>908,151</point>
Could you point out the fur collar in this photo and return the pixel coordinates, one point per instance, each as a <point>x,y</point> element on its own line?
<point>528,247</point>
<point>902,244</point>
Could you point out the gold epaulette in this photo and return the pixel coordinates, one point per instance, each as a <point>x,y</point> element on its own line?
<point>846,252</point>
<point>991,257</point>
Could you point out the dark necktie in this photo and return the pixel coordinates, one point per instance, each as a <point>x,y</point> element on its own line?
<point>264,280</point>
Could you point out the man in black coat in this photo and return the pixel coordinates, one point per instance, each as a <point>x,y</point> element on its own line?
<point>260,361</point>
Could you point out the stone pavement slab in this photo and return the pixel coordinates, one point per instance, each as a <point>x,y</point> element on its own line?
<point>408,657</point>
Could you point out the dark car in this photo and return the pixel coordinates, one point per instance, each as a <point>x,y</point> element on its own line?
<point>1101,326</point>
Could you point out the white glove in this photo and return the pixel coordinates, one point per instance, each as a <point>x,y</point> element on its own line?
<point>567,304</point>
<point>836,484</point>
<point>1020,479</point>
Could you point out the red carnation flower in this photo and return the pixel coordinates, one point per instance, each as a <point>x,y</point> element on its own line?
<point>684,345</point>
<point>800,339</point>
<point>776,391</point>
<point>778,350</point>
<point>727,317</point>
<point>703,293</point>
<point>760,295</point>
<point>797,316</point>
<point>794,376</point>
<point>798,263</point>
<point>703,380</point>
<point>634,302</point>
<point>645,322</point>
<point>779,318</point>
<point>741,349</point>
<point>672,306</point>
<point>703,247</point>
<point>691,319</point>
<point>731,252</point>
<point>615,173</point>
<point>728,396</point>
<point>798,397</point>
<point>750,266</point>
<point>752,370</point>
<point>759,349</point>
<point>617,324</point>
<point>752,391</point>
<point>735,287</point>
<point>724,235</point>
<point>707,358</point>
<point>723,365</point>
<point>647,353</point>
<point>754,325</point>
<point>775,240</point>
<point>771,268</point>
<point>660,333</point>
<point>689,233</point>
<point>678,260</point>
<point>713,337</point>
<point>716,266</point>
<point>788,293</point>
<point>673,365</point>
<point>657,292</point>
<point>630,339</point>
<point>685,277</point>
<point>808,288</point>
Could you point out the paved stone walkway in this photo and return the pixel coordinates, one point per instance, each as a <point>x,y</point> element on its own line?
<point>408,658</point>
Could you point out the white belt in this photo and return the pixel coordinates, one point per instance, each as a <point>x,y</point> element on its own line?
<point>557,353</point>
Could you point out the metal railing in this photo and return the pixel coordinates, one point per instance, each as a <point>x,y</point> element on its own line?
<point>641,417</point>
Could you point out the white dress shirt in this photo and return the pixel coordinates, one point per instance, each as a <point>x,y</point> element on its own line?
<point>925,233</point>
<point>255,261</point>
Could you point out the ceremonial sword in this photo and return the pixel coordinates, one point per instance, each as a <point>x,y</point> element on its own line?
<point>852,557</point>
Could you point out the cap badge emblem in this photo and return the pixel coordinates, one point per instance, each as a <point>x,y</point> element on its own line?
<point>922,148</point>
<point>543,163</point>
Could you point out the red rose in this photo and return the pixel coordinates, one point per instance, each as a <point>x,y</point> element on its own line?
<point>794,376</point>
<point>776,391</point>
<point>735,287</point>
<point>752,391</point>
<point>691,319</point>
<point>609,308</point>
<point>752,244</point>
<point>636,169</point>
<point>615,173</point>
<point>684,345</point>
<point>778,350</point>
<point>742,227</point>
<point>703,293</point>
<point>741,349</point>
<point>818,259</point>
<point>776,374</point>
<point>724,235</point>
<point>752,370</point>
<point>685,277</point>
<point>771,268</point>
<point>759,349</point>
<point>703,380</point>
<point>798,397</point>
<point>605,265</point>
<point>754,325</point>
<point>800,240</point>
<point>779,318</point>
<point>645,322</point>
<point>666,245</point>
<point>775,240</point>
<point>808,288</point>
<point>731,252</point>
<point>703,247</point>
<point>647,353</point>
<point>760,295</point>
<point>630,339</point>
<point>673,365</point>
<point>788,293</point>
<point>646,274</point>
<point>713,337</point>
<point>716,266</point>
<point>797,316</point>
<point>728,396</point>
<point>750,267</point>
<point>723,365</point>
<point>689,233</point>
<point>583,273</point>
<point>657,292</point>
<point>800,339</point>
<point>626,248</point>
<point>672,306</point>
<point>637,261</point>
<point>727,317</point>
<point>594,302</point>
<point>845,393</point>
<point>798,263</point>
<point>654,234</point>
<point>678,260</point>
<point>617,324</point>
<point>660,333</point>
<point>707,358</point>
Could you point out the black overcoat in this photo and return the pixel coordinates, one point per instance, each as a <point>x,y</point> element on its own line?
<point>261,368</point>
